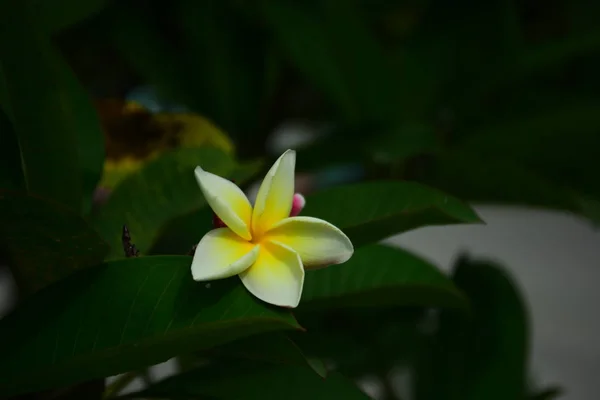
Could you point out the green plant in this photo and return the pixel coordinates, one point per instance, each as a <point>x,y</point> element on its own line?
<point>440,104</point>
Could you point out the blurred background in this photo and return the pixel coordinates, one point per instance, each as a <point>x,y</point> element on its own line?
<point>495,102</point>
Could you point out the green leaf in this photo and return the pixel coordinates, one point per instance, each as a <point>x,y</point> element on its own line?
<point>425,61</point>
<point>303,36</point>
<point>203,72</point>
<point>369,212</point>
<point>121,316</point>
<point>484,178</point>
<point>527,161</point>
<point>59,135</point>
<point>590,209</point>
<point>11,174</point>
<point>549,393</point>
<point>500,355</point>
<point>524,68</point>
<point>482,358</point>
<point>582,15</point>
<point>90,137</point>
<point>216,42</point>
<point>458,43</point>
<point>163,189</point>
<point>404,141</point>
<point>361,341</point>
<point>253,381</point>
<point>39,107</point>
<point>90,390</point>
<point>362,314</point>
<point>44,241</point>
<point>142,46</point>
<point>181,233</point>
<point>334,48</point>
<point>538,142</point>
<point>274,348</point>
<point>560,52</point>
<point>365,144</point>
<point>57,15</point>
<point>378,276</point>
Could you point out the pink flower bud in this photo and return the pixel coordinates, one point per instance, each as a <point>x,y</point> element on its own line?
<point>297,204</point>
<point>217,223</point>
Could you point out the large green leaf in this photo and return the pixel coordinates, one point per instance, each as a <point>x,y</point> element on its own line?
<point>39,107</point>
<point>224,380</point>
<point>274,348</point>
<point>481,358</point>
<point>90,136</point>
<point>121,316</point>
<point>369,212</point>
<point>163,189</point>
<point>58,131</point>
<point>378,275</point>
<point>180,234</point>
<point>375,298</point>
<point>44,241</point>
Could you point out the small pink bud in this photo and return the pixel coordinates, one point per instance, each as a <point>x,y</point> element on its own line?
<point>217,223</point>
<point>297,204</point>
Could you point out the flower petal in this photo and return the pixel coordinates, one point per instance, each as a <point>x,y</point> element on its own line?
<point>277,276</point>
<point>276,193</point>
<point>318,242</point>
<point>222,253</point>
<point>227,201</point>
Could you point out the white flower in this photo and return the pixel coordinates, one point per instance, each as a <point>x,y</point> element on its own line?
<point>266,247</point>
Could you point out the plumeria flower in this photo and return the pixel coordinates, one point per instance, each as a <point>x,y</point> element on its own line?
<point>298,204</point>
<point>264,245</point>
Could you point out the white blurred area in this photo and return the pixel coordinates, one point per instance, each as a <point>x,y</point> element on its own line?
<point>554,257</point>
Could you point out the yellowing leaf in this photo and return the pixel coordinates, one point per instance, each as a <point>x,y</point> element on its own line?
<point>135,136</point>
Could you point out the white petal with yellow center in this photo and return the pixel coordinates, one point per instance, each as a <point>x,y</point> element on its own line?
<point>277,276</point>
<point>276,193</point>
<point>227,201</point>
<point>222,253</point>
<point>318,242</point>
